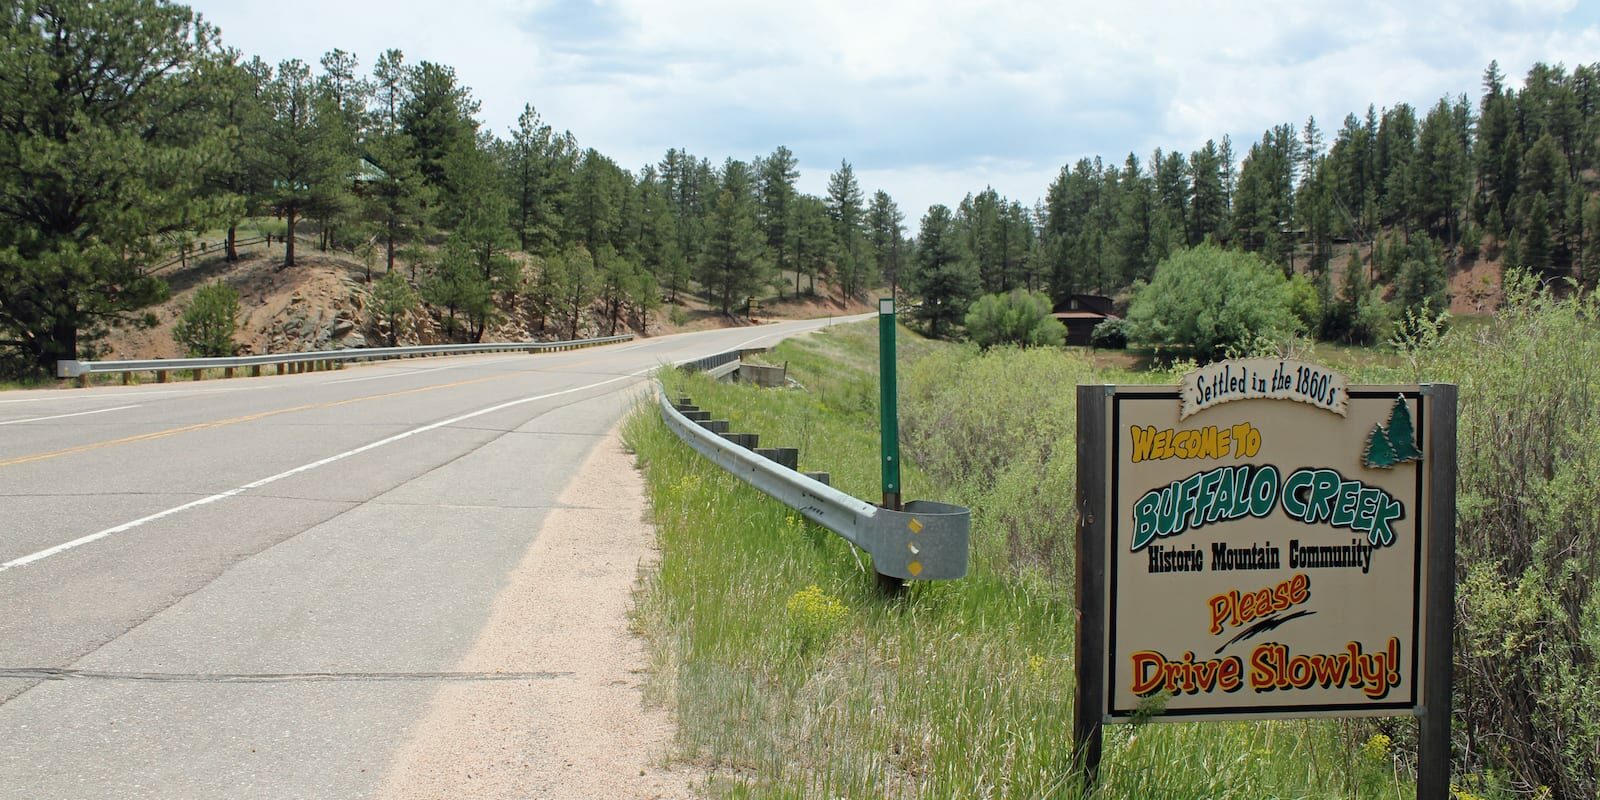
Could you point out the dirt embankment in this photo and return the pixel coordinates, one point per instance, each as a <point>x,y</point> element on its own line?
<point>324,303</point>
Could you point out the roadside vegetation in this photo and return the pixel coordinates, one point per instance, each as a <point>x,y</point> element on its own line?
<point>793,677</point>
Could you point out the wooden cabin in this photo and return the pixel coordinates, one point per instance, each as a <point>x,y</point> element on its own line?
<point>1080,313</point>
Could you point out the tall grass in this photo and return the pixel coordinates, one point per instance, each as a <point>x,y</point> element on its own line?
<point>793,677</point>
<point>1528,539</point>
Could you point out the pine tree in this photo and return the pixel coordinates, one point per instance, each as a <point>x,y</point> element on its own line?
<point>206,327</point>
<point>302,154</point>
<point>945,280</point>
<point>844,208</point>
<point>734,266</point>
<point>777,174</point>
<point>538,161</point>
<point>237,87</point>
<point>102,152</point>
<point>392,297</point>
<point>438,117</point>
<point>885,237</point>
<point>814,245</point>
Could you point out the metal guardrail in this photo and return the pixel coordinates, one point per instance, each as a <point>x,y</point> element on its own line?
<point>316,359</point>
<point>926,541</point>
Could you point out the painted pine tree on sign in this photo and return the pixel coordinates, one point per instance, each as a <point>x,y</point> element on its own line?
<point>1395,443</point>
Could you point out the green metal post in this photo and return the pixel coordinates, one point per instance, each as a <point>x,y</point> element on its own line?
<point>888,404</point>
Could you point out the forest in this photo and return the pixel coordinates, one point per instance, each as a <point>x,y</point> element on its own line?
<point>128,128</point>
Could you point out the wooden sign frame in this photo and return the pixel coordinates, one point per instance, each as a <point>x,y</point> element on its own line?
<point>1431,679</point>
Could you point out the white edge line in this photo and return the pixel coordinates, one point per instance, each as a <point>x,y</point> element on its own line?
<point>127,526</point>
<point>64,416</point>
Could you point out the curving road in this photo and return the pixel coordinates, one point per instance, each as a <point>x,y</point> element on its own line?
<point>251,588</point>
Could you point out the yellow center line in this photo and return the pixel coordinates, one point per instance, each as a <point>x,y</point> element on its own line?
<point>84,448</point>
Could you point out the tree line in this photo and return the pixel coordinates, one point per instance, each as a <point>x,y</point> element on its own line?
<point>126,123</point>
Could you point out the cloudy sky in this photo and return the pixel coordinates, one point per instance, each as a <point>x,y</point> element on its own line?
<point>929,100</point>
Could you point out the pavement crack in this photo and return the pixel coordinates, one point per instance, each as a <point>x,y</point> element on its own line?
<point>65,674</point>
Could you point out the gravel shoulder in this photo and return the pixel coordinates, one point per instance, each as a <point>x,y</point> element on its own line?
<point>584,731</point>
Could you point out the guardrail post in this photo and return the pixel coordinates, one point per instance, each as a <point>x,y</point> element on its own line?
<point>83,380</point>
<point>161,376</point>
<point>198,374</point>
<point>888,402</point>
<point>889,424</point>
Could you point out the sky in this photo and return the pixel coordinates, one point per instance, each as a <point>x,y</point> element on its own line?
<point>930,100</point>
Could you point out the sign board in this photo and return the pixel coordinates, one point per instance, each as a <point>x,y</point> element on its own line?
<point>1257,543</point>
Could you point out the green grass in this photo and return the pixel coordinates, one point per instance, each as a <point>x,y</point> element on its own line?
<point>792,676</point>
<point>33,382</point>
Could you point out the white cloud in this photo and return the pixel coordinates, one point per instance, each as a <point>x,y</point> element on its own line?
<point>931,100</point>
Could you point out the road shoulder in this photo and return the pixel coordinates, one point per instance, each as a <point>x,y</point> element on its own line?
<point>586,732</point>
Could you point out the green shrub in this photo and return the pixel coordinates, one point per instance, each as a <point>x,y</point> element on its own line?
<point>1112,334</point>
<point>1305,302</point>
<point>207,325</point>
<point>998,428</point>
<point>1528,536</point>
<point>1206,299</point>
<point>1018,317</point>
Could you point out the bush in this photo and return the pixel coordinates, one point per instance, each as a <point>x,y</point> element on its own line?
<point>206,328</point>
<point>1305,302</point>
<point>998,430</point>
<point>1111,334</point>
<point>1205,300</point>
<point>1528,537</point>
<point>1019,317</point>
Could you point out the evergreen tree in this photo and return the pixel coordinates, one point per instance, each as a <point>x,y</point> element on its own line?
<point>844,208</point>
<point>237,91</point>
<point>1421,287</point>
<point>539,163</point>
<point>734,266</point>
<point>577,283</point>
<point>945,280</point>
<point>437,115</point>
<point>657,241</point>
<point>453,283</point>
<point>1495,130</point>
<point>302,154</point>
<point>1541,205</point>
<point>885,237</point>
<point>814,244</point>
<point>689,186</point>
<point>396,197</point>
<point>392,297</point>
<point>1207,213</point>
<point>777,174</point>
<point>1537,250</point>
<point>101,154</point>
<point>206,327</point>
<point>1442,172</point>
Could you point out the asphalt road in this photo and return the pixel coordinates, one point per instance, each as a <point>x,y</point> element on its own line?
<point>252,588</point>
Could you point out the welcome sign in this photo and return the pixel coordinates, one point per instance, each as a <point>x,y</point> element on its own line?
<point>1264,545</point>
